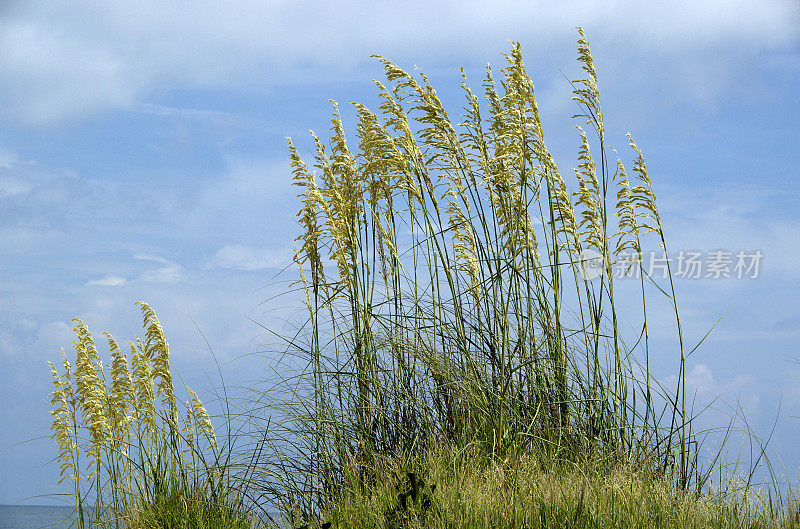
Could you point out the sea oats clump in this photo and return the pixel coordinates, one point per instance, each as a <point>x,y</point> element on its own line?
<point>459,309</point>
<point>110,415</point>
<point>64,424</point>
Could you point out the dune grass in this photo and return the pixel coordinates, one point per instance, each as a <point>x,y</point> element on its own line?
<point>461,292</point>
<point>132,459</point>
<point>449,297</point>
<point>461,360</point>
<point>459,488</point>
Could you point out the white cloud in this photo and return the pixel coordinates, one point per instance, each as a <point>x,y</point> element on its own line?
<point>7,158</point>
<point>700,378</point>
<point>107,281</point>
<point>11,184</point>
<point>11,187</point>
<point>170,272</point>
<point>736,218</point>
<point>188,113</point>
<point>148,257</point>
<point>56,72</point>
<point>704,389</point>
<point>247,258</point>
<point>27,338</point>
<point>64,60</point>
<point>52,336</point>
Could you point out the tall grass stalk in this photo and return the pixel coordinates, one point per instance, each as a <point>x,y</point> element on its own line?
<point>145,465</point>
<point>446,271</point>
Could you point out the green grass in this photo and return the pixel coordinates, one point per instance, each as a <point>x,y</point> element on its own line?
<point>465,490</point>
<point>447,304</point>
<point>447,300</point>
<point>450,335</point>
<point>177,509</point>
<point>132,460</point>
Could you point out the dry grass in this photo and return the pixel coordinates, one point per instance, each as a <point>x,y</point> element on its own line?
<point>448,316</point>
<point>441,266</point>
<point>527,492</point>
<point>145,466</point>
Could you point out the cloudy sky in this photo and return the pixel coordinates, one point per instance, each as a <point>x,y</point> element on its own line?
<point>142,157</point>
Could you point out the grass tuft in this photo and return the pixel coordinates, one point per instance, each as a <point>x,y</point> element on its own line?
<point>143,467</point>
<point>461,360</point>
<point>458,308</point>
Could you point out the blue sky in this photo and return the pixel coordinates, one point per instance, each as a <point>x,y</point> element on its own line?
<point>142,157</point>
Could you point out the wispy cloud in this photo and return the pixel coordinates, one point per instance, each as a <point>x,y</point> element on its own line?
<point>704,389</point>
<point>191,113</point>
<point>61,66</point>
<point>24,337</point>
<point>7,158</point>
<point>107,281</point>
<point>11,183</point>
<point>169,272</point>
<point>736,217</point>
<point>11,186</point>
<point>248,258</point>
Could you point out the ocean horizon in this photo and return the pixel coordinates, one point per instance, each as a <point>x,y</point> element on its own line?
<point>36,516</point>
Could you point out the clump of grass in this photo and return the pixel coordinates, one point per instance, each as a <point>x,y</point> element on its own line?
<point>461,365</point>
<point>443,267</point>
<point>526,491</point>
<point>134,459</point>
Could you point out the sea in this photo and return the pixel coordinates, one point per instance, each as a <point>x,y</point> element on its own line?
<point>36,516</point>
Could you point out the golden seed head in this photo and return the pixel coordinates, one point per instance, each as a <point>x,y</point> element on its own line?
<point>189,428</point>
<point>143,386</point>
<point>465,247</point>
<point>565,222</point>
<point>642,195</point>
<point>303,177</point>
<point>121,397</point>
<point>589,197</point>
<point>586,90</point>
<point>91,389</point>
<point>628,235</point>
<point>202,419</point>
<point>157,351</point>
